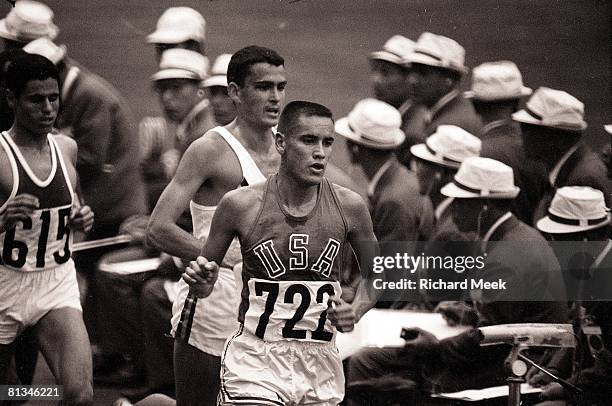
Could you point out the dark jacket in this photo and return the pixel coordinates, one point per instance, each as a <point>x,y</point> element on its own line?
<point>420,122</point>
<point>583,168</point>
<point>99,120</point>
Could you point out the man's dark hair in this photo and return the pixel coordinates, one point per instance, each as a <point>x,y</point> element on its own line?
<point>241,62</point>
<point>294,110</point>
<point>25,68</point>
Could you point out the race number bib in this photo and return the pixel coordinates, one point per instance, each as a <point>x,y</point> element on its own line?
<point>39,241</point>
<point>290,310</point>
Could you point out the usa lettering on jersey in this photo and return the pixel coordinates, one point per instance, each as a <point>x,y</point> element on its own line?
<point>298,261</point>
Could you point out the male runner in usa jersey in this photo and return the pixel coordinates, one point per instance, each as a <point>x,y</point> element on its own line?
<point>291,230</point>
<point>38,210</point>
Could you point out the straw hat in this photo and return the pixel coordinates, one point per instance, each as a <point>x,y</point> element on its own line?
<point>553,108</point>
<point>178,63</point>
<point>482,178</point>
<point>440,52</point>
<point>574,209</point>
<point>500,80</point>
<point>374,124</point>
<point>27,21</point>
<point>396,50</point>
<point>448,146</point>
<point>179,24</point>
<point>47,48</point>
<point>219,71</point>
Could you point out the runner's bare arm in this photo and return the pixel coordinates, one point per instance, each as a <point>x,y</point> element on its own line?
<point>81,217</point>
<point>195,167</point>
<point>233,214</point>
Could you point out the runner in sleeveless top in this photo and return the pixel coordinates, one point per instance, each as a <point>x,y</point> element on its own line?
<point>223,159</point>
<point>38,210</point>
<point>291,229</point>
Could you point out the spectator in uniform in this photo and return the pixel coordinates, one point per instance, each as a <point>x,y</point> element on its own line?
<point>552,127</point>
<point>436,70</point>
<point>216,87</point>
<point>400,215</point>
<point>179,27</point>
<point>483,190</point>
<point>579,213</point>
<point>497,89</point>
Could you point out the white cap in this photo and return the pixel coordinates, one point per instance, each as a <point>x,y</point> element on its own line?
<point>438,51</point>
<point>553,108</point>
<point>482,178</point>
<point>218,74</point>
<point>179,24</point>
<point>27,21</point>
<point>372,123</point>
<point>448,146</point>
<point>178,63</point>
<point>396,50</point>
<point>574,209</point>
<point>500,80</point>
<point>47,48</point>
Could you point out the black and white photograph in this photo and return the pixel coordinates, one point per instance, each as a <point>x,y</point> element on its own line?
<point>305,202</point>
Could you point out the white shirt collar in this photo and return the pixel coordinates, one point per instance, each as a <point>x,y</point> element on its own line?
<point>71,76</point>
<point>405,106</point>
<point>376,178</point>
<point>602,255</point>
<point>444,100</point>
<point>182,127</point>
<point>492,125</point>
<point>441,208</point>
<point>494,227</point>
<point>552,176</point>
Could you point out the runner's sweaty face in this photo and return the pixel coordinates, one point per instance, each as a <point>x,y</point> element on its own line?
<point>308,148</point>
<point>36,106</point>
<point>261,99</point>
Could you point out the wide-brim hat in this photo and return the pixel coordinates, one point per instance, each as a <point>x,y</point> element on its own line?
<point>396,50</point>
<point>482,178</point>
<point>448,146</point>
<point>28,20</point>
<point>553,108</point>
<point>373,124</point>
<point>575,209</point>
<point>178,63</point>
<point>438,51</point>
<point>179,24</point>
<point>496,81</point>
<point>47,48</point>
<point>219,71</point>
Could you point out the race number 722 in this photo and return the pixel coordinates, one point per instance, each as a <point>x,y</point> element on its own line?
<point>293,292</point>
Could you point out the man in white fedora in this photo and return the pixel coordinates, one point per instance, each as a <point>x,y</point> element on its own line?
<point>482,190</point>
<point>552,127</point>
<point>579,213</point>
<point>437,161</point>
<point>216,87</point>
<point>437,68</point>
<point>28,20</point>
<point>391,83</point>
<point>496,93</point>
<point>97,117</point>
<point>389,72</point>
<point>399,213</point>
<point>179,27</point>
